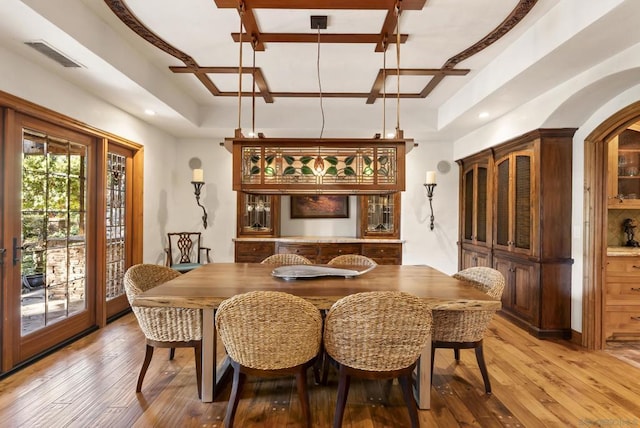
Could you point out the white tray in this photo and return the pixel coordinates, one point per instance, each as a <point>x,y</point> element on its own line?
<point>314,271</point>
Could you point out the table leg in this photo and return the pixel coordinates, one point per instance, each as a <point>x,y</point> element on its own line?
<point>423,381</point>
<point>208,355</point>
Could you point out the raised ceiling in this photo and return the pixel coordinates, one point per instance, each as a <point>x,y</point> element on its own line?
<point>181,59</point>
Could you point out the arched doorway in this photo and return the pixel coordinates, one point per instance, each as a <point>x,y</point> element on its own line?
<point>595,214</point>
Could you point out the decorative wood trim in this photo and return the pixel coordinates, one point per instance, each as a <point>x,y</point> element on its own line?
<point>517,14</point>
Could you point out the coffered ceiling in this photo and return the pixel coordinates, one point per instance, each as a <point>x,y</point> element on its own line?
<point>182,60</point>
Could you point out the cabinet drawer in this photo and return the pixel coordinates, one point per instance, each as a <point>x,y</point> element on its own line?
<point>384,254</point>
<point>382,250</point>
<point>622,322</point>
<point>328,251</point>
<point>253,252</point>
<point>623,266</point>
<point>309,251</point>
<point>622,293</point>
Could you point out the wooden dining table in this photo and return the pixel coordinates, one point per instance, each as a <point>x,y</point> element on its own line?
<point>207,286</point>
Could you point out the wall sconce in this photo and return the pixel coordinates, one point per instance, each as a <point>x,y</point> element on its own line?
<point>198,181</point>
<point>430,185</point>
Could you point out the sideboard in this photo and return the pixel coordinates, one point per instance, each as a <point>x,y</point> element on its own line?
<point>318,249</point>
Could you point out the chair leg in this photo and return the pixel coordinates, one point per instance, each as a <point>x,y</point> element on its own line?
<point>405,383</point>
<point>433,356</point>
<point>234,398</point>
<point>197,350</point>
<point>145,365</point>
<point>386,390</point>
<point>341,402</point>
<point>172,353</point>
<point>303,394</point>
<point>483,368</point>
<point>456,354</point>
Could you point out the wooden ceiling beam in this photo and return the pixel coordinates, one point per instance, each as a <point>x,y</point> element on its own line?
<point>323,4</point>
<point>313,38</point>
<point>437,73</point>
<point>201,74</point>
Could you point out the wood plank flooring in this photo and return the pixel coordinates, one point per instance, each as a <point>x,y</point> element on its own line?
<point>91,383</point>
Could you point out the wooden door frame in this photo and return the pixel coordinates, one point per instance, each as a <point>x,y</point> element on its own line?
<point>10,107</point>
<point>595,215</point>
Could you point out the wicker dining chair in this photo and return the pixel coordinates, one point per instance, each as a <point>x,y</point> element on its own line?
<point>463,329</point>
<point>377,335</point>
<point>286,259</point>
<point>269,333</point>
<point>352,259</point>
<point>163,327</point>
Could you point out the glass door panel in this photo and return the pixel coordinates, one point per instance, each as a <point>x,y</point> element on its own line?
<point>53,242</point>
<point>117,224</point>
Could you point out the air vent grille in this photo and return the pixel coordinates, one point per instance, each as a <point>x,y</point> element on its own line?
<point>51,52</point>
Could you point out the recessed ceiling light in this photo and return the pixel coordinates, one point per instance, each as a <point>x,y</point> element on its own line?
<point>483,115</point>
<point>149,112</point>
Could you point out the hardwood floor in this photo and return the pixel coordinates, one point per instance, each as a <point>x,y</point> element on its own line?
<point>91,383</point>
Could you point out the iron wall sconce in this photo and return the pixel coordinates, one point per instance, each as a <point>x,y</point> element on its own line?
<point>198,181</point>
<point>430,186</point>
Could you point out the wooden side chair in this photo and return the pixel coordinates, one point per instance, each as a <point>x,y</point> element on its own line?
<point>460,329</point>
<point>352,259</point>
<point>269,333</point>
<point>163,327</point>
<point>286,259</point>
<point>377,335</point>
<point>185,251</point>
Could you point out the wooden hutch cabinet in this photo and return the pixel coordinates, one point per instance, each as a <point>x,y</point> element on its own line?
<point>378,232</point>
<point>530,216</point>
<point>475,211</point>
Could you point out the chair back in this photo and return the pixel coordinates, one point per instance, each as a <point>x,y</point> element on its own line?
<point>468,326</point>
<point>378,330</point>
<point>269,330</point>
<point>487,279</point>
<point>352,259</point>
<point>286,259</point>
<point>160,324</point>
<point>184,247</point>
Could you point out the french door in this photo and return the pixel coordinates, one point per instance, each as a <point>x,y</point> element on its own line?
<point>118,221</point>
<point>70,225</point>
<point>49,235</point>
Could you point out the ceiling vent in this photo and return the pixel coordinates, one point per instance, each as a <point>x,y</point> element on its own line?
<point>51,52</point>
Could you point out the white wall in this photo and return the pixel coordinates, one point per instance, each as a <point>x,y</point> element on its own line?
<point>217,197</point>
<point>34,84</point>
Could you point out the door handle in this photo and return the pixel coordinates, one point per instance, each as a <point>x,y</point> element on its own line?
<point>16,250</point>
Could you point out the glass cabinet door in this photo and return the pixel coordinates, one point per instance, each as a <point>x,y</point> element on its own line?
<point>380,216</point>
<point>475,204</point>
<point>513,225</point>
<point>258,215</point>
<point>624,170</point>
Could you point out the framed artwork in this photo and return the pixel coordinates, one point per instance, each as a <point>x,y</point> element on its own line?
<point>320,206</point>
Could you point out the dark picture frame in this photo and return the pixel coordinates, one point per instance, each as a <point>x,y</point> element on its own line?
<point>320,206</point>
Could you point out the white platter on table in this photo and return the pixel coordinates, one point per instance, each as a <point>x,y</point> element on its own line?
<point>290,272</point>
